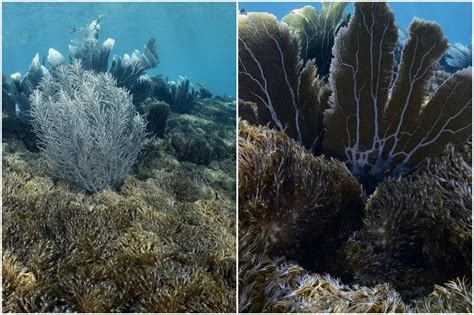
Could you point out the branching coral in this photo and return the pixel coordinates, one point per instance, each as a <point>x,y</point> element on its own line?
<point>276,285</point>
<point>454,297</point>
<point>378,131</point>
<point>317,30</point>
<point>272,75</point>
<point>88,128</point>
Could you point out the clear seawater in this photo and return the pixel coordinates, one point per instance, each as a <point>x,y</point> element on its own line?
<point>196,40</point>
<point>455,18</point>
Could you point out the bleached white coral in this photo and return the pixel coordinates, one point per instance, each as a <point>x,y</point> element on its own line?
<point>88,128</point>
<point>55,58</point>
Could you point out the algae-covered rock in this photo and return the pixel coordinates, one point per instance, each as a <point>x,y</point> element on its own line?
<point>206,135</point>
<point>306,205</point>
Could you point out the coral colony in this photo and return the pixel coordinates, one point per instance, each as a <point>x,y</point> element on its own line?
<point>113,199</point>
<point>354,167</point>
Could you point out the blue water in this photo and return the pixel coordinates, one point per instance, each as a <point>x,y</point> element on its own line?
<point>196,40</point>
<point>455,18</point>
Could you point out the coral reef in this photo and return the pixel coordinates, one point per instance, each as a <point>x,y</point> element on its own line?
<point>88,129</point>
<point>128,69</point>
<point>417,231</point>
<point>163,241</point>
<point>22,88</point>
<point>8,102</point>
<point>203,91</point>
<point>272,75</point>
<point>93,55</point>
<point>401,242</point>
<point>317,31</point>
<point>276,285</point>
<point>389,132</point>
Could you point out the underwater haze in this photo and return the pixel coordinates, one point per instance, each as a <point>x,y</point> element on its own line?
<point>196,40</point>
<point>454,17</point>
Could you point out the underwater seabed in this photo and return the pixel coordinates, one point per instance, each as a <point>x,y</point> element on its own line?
<point>354,164</point>
<point>164,241</point>
<point>149,228</point>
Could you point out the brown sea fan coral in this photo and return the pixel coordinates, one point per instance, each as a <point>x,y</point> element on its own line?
<point>378,130</point>
<point>317,30</point>
<point>273,76</point>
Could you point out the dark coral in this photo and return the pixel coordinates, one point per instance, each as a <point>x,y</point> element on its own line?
<point>306,205</point>
<point>379,128</point>
<point>156,114</point>
<point>273,76</point>
<point>317,31</point>
<point>180,95</point>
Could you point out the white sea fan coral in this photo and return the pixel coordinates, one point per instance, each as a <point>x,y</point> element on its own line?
<point>55,58</point>
<point>88,128</point>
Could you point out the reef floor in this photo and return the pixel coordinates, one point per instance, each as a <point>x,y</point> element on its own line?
<point>164,241</point>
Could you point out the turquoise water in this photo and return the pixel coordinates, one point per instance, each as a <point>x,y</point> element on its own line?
<point>196,40</point>
<point>454,17</point>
